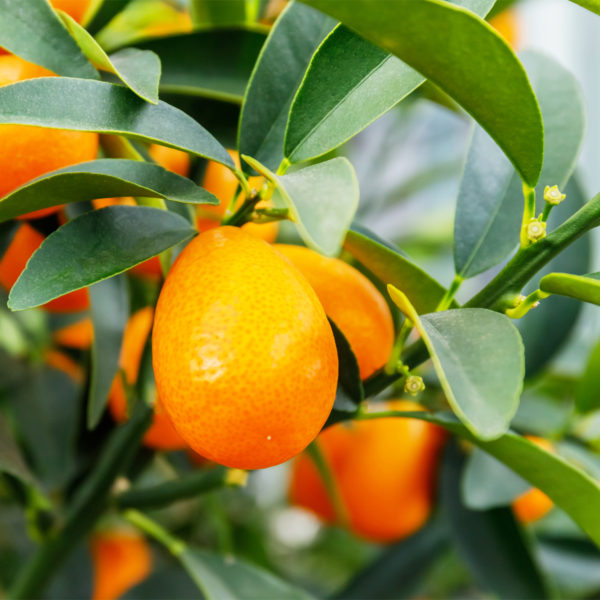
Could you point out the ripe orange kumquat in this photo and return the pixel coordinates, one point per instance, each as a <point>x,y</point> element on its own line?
<point>384,470</point>
<point>78,335</point>
<point>171,159</point>
<point>26,152</point>
<point>26,241</point>
<point>161,434</point>
<point>352,302</point>
<point>244,357</point>
<point>534,504</point>
<point>121,560</point>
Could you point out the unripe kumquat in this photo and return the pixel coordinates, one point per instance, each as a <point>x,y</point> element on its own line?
<point>244,357</point>
<point>384,471</point>
<point>352,302</point>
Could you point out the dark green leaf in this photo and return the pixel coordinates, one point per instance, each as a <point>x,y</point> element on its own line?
<point>104,178</point>
<point>397,571</point>
<point>322,200</point>
<point>491,542</point>
<point>213,64</point>
<point>482,391</point>
<point>415,31</point>
<point>350,392</point>
<point>109,311</point>
<point>278,72</point>
<point>7,232</point>
<point>390,266</point>
<point>84,105</point>
<point>93,247</point>
<point>487,483</point>
<point>349,83</point>
<point>587,397</point>
<point>581,287</point>
<point>11,459</point>
<point>33,31</point>
<point>227,578</point>
<point>490,200</point>
<point>593,5</point>
<point>106,11</point>
<point>222,13</point>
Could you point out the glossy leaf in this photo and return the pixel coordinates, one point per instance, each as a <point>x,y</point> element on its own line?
<point>103,178</point>
<point>227,578</point>
<point>11,459</point>
<point>581,287</point>
<point>392,267</point>
<point>415,32</point>
<point>278,72</point>
<point>487,483</point>
<point>213,64</point>
<point>592,5</point>
<point>139,70</point>
<point>587,397</point>
<point>491,543</point>
<point>490,199</point>
<point>482,391</point>
<point>93,247</point>
<point>33,31</point>
<point>322,200</point>
<point>84,105</point>
<point>349,83</point>
<point>109,308</point>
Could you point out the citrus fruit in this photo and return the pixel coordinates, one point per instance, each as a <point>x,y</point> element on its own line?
<point>171,159</point>
<point>75,8</point>
<point>161,434</point>
<point>533,504</point>
<point>121,559</point>
<point>25,242</point>
<point>384,470</point>
<point>506,24</point>
<point>221,182</point>
<point>61,362</point>
<point>352,302</point>
<point>26,152</point>
<point>244,357</point>
<point>76,335</point>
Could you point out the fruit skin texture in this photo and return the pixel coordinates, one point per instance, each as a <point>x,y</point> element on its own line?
<point>221,182</point>
<point>121,560</point>
<point>533,504</point>
<point>161,435</point>
<point>384,470</point>
<point>26,241</point>
<point>27,152</point>
<point>352,302</point>
<point>244,357</point>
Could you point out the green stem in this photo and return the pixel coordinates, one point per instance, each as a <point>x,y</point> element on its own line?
<point>243,183</point>
<point>174,545</point>
<point>392,364</point>
<point>547,209</point>
<point>283,167</point>
<point>446,301</point>
<point>528,213</point>
<point>526,305</point>
<point>88,505</point>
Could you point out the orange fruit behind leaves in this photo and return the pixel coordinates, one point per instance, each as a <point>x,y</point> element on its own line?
<point>384,470</point>
<point>26,241</point>
<point>506,24</point>
<point>26,152</point>
<point>221,182</point>
<point>75,8</point>
<point>352,302</point>
<point>533,504</point>
<point>161,434</point>
<point>244,357</point>
<point>171,159</point>
<point>121,560</point>
<point>77,335</point>
<point>61,362</point>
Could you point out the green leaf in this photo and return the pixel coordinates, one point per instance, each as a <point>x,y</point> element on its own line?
<point>33,31</point>
<point>350,391</point>
<point>278,72</point>
<point>221,14</point>
<point>227,578</point>
<point>322,200</point>
<point>399,569</point>
<point>587,397</point>
<point>212,64</point>
<point>139,70</point>
<point>349,83</point>
<point>491,543</point>
<point>105,13</point>
<point>581,287</point>
<point>11,459</point>
<point>592,5</point>
<point>93,247</point>
<point>84,105</point>
<point>487,483</point>
<point>490,200</point>
<point>109,309</point>
<point>478,358</point>
<point>415,31</point>
<point>103,178</point>
<point>390,266</point>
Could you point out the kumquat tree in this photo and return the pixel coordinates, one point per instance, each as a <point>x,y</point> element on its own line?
<point>297,299</point>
